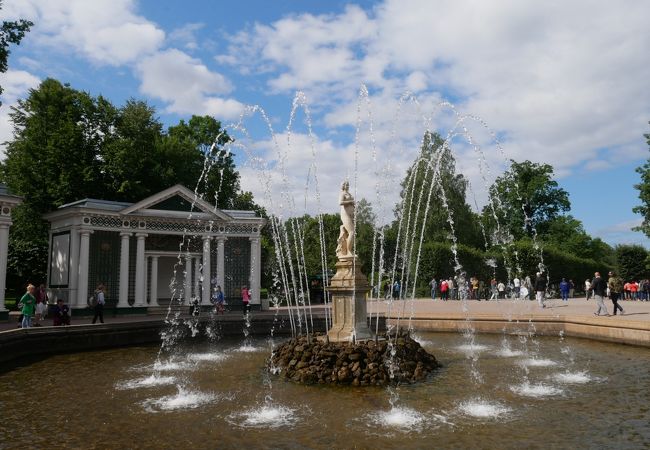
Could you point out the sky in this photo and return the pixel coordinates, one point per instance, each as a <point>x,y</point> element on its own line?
<point>557,82</point>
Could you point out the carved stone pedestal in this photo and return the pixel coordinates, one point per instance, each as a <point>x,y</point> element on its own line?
<point>348,288</point>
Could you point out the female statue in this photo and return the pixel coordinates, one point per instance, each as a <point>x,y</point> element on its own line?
<point>345,241</point>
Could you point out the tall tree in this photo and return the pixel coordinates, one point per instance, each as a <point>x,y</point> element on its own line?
<point>527,199</point>
<point>644,194</point>
<point>631,262</point>
<point>434,172</point>
<point>200,141</point>
<point>10,33</point>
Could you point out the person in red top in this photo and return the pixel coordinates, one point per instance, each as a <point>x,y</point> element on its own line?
<point>634,288</point>
<point>246,299</point>
<point>626,291</point>
<point>444,288</point>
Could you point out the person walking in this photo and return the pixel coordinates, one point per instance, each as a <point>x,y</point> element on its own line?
<point>246,299</point>
<point>28,302</point>
<point>540,289</point>
<point>396,290</point>
<point>502,290</point>
<point>99,303</point>
<point>493,289</point>
<point>516,283</point>
<point>615,285</point>
<point>219,300</point>
<point>599,287</point>
<point>434,286</point>
<point>587,289</point>
<point>444,290</point>
<point>564,290</point>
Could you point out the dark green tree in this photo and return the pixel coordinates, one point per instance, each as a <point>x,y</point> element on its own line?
<point>631,262</point>
<point>527,199</point>
<point>566,233</point>
<point>10,33</point>
<point>445,186</point>
<point>644,194</point>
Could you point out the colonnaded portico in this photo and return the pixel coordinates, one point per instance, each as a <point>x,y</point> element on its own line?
<point>172,245</point>
<point>8,202</point>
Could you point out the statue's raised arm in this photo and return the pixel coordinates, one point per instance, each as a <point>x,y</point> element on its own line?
<point>345,247</point>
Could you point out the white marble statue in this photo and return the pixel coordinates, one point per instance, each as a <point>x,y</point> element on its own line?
<point>345,247</point>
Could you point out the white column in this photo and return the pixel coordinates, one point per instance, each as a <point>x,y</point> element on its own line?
<point>4,246</point>
<point>74,267</point>
<point>187,285</point>
<point>196,270</point>
<point>154,281</point>
<point>84,254</point>
<point>205,291</point>
<point>221,272</point>
<point>146,279</point>
<point>139,270</point>
<point>123,301</point>
<point>256,270</point>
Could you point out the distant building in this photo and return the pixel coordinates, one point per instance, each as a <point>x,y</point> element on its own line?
<point>170,245</point>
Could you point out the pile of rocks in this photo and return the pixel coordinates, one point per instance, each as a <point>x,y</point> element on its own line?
<point>368,363</point>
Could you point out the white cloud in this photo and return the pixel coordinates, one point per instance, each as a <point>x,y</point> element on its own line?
<point>106,32</point>
<point>186,84</point>
<point>15,84</point>
<point>564,82</point>
<point>186,35</point>
<point>621,233</point>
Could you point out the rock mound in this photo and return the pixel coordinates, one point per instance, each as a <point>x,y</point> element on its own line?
<point>368,363</point>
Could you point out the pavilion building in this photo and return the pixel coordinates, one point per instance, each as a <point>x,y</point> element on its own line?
<point>8,202</point>
<point>171,245</point>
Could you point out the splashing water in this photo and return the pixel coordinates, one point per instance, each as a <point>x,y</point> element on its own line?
<point>572,377</point>
<point>149,381</point>
<point>266,416</point>
<point>535,362</point>
<point>483,409</point>
<point>536,390</point>
<point>184,399</point>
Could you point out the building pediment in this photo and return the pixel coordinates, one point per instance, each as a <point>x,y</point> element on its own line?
<point>176,200</point>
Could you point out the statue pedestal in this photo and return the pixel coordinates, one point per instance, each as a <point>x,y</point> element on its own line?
<point>348,288</point>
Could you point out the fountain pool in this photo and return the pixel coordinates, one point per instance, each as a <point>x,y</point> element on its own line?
<point>541,392</point>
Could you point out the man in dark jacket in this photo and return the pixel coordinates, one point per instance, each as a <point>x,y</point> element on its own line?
<point>540,288</point>
<point>599,287</point>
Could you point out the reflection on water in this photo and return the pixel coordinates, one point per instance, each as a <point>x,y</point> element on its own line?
<point>219,396</point>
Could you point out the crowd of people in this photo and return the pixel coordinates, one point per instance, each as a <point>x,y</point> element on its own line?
<point>35,308</point>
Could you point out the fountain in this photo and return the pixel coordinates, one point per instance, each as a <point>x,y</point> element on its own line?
<point>501,391</point>
<point>349,353</point>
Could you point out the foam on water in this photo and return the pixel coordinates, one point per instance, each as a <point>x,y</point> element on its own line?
<point>535,362</point>
<point>483,409</point>
<point>535,390</point>
<point>405,419</point>
<point>247,348</point>
<point>168,366</point>
<point>184,399</point>
<point>267,416</point>
<point>152,380</point>
<point>472,348</point>
<point>572,377</point>
<point>508,353</point>
<point>212,357</point>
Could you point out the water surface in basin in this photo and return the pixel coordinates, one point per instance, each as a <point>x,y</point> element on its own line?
<point>548,392</point>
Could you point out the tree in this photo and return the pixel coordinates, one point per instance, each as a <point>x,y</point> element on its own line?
<point>433,179</point>
<point>201,141</point>
<point>631,262</point>
<point>69,145</point>
<point>644,194</point>
<point>10,33</point>
<point>526,199</point>
<point>567,234</point>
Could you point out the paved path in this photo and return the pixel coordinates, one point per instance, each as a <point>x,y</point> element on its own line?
<point>637,313</point>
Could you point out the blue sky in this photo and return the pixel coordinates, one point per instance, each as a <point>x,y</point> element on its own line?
<point>559,82</point>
